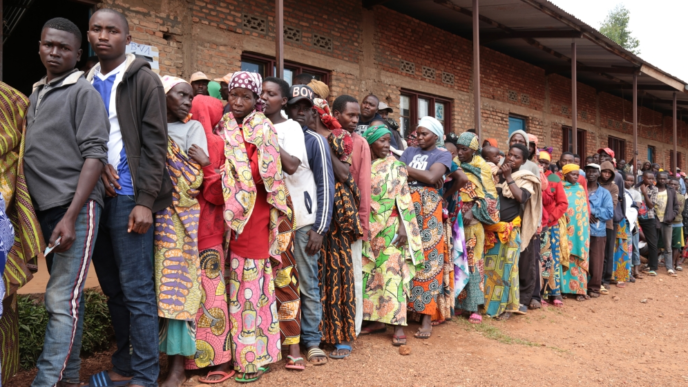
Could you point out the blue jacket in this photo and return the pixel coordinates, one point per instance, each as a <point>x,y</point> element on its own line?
<point>602,208</point>
<point>318,151</point>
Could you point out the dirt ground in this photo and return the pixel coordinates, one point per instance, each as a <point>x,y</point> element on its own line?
<point>633,337</point>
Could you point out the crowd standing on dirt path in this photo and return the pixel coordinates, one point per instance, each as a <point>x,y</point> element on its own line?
<point>228,234</point>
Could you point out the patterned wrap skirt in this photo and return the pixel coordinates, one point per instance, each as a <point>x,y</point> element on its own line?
<point>428,284</point>
<point>550,255</point>
<point>501,275</point>
<point>254,324</point>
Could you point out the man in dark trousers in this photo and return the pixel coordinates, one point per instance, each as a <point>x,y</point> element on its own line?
<point>66,148</point>
<point>137,185</point>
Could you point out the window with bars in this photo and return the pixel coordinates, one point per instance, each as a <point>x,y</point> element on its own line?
<point>568,141</point>
<point>266,67</point>
<point>413,106</point>
<point>618,145</point>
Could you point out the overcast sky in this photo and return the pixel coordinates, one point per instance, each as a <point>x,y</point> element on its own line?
<point>658,24</point>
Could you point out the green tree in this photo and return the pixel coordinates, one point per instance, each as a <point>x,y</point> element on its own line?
<point>615,27</point>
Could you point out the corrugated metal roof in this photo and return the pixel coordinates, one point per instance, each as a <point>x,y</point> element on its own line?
<point>553,54</point>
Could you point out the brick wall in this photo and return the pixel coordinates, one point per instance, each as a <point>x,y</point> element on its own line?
<point>383,52</point>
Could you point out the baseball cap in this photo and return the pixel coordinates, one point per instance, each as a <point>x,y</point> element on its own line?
<point>199,76</point>
<point>593,165</point>
<point>607,151</point>
<point>300,92</point>
<point>384,106</point>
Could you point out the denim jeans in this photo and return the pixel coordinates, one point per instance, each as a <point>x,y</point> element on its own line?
<point>124,265</point>
<point>64,297</point>
<point>635,256</point>
<point>311,307</point>
<point>666,232</point>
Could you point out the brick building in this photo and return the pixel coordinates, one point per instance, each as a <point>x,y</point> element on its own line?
<point>397,52</point>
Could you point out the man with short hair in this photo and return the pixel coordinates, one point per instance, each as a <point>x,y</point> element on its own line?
<point>308,240</point>
<point>606,180</point>
<point>199,83</point>
<point>137,185</point>
<point>666,210</point>
<point>384,110</point>
<point>346,110</point>
<point>66,147</point>
<point>601,210</point>
<point>677,225</point>
<point>646,218</point>
<point>369,115</point>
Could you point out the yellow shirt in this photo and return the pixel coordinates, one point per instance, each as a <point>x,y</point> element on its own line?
<point>660,207</point>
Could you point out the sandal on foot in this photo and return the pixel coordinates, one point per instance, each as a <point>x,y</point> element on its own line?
<point>102,379</point>
<point>337,348</point>
<point>475,318</point>
<point>535,304</point>
<point>258,375</point>
<point>223,376</point>
<point>672,273</point>
<point>651,273</point>
<point>316,352</point>
<point>436,323</point>
<point>367,331</point>
<point>398,341</point>
<point>593,294</point>
<point>603,291</point>
<point>558,303</point>
<point>295,365</point>
<point>422,335</point>
<point>582,297</point>
<point>679,268</point>
<point>620,284</point>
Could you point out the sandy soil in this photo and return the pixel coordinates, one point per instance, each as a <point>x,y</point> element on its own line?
<point>633,337</point>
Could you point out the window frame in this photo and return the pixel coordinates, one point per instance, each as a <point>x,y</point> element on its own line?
<point>518,117</point>
<point>270,63</point>
<point>582,137</point>
<point>413,108</point>
<point>618,145</point>
<point>652,151</point>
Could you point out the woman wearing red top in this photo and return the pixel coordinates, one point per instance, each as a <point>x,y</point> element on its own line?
<point>553,242</point>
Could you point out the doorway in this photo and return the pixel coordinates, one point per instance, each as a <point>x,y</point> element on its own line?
<point>21,64</point>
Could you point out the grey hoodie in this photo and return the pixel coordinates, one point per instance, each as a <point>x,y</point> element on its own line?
<point>67,126</point>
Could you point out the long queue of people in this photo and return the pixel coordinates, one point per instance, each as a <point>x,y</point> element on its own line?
<point>227,235</point>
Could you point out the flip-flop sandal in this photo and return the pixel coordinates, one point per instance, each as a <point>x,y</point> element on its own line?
<point>558,303</point>
<point>651,273</point>
<point>338,347</point>
<point>259,374</point>
<point>436,323</point>
<point>102,379</point>
<point>316,352</point>
<point>367,331</point>
<point>294,365</point>
<point>621,285</point>
<point>224,376</point>
<point>475,318</point>
<point>422,335</point>
<point>398,341</point>
<point>582,297</point>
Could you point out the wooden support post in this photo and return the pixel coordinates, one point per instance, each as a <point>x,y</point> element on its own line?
<point>635,122</point>
<point>279,38</point>
<point>673,173</point>
<point>574,100</point>
<point>476,69</point>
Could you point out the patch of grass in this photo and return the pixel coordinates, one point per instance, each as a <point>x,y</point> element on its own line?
<point>492,332</point>
<point>33,320</point>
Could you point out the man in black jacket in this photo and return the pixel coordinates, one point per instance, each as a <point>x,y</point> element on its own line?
<point>137,185</point>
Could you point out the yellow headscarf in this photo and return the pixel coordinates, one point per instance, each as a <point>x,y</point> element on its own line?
<point>568,168</point>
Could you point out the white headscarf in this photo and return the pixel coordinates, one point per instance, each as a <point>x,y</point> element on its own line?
<point>433,125</point>
<point>522,133</point>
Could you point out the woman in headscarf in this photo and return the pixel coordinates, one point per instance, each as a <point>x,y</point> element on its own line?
<point>179,274</point>
<point>255,206</point>
<point>336,266</point>
<point>519,199</point>
<point>480,206</point>
<point>389,258</point>
<point>575,279</point>
<point>426,165</point>
<point>554,251</point>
